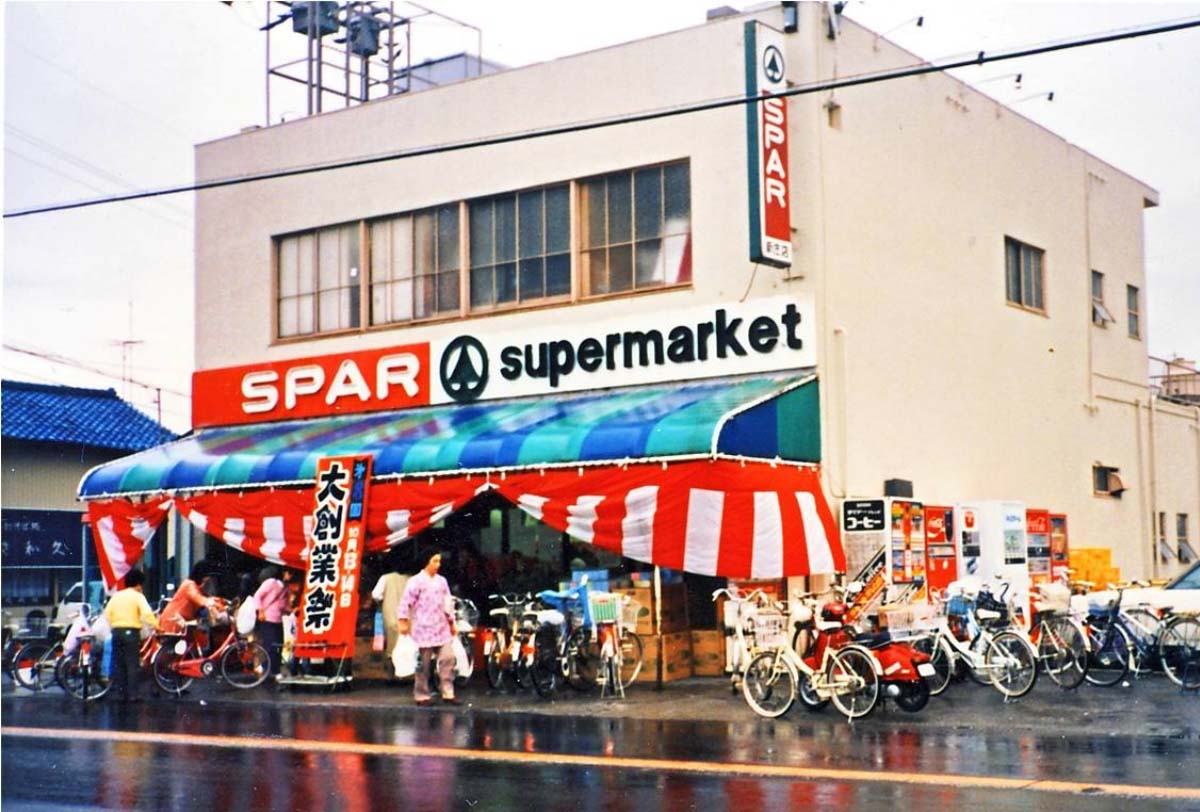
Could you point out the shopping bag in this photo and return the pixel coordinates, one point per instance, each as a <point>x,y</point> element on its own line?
<point>247,616</point>
<point>377,640</point>
<point>101,630</point>
<point>404,657</point>
<point>461,664</point>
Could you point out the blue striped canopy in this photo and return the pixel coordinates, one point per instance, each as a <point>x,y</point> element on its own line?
<point>764,417</point>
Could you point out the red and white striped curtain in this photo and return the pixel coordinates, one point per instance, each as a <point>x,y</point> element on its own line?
<point>122,529</point>
<point>733,519</point>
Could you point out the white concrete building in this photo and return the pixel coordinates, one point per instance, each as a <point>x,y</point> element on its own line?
<point>977,284</point>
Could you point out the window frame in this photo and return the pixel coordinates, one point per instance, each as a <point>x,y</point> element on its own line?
<point>1101,316</point>
<point>1133,321</point>
<point>1024,249</point>
<point>1113,484</point>
<point>578,277</point>
<point>583,274</point>
<point>354,227</point>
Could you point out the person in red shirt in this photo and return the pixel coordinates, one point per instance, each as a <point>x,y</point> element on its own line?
<point>189,599</point>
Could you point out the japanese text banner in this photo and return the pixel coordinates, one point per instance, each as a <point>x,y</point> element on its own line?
<point>329,604</point>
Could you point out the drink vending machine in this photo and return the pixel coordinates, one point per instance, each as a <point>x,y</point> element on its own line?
<point>906,545</point>
<point>1059,547</point>
<point>884,540</point>
<point>992,544</point>
<point>1037,536</point>
<point>940,548</point>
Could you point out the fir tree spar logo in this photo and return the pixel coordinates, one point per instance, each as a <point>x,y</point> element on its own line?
<point>464,369</point>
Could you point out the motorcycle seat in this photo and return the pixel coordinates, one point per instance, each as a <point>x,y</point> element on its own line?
<point>875,640</point>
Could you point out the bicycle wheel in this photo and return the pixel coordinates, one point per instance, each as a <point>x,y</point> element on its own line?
<point>581,664</point>
<point>941,657</point>
<point>166,677</point>
<point>70,675</point>
<point>807,693</point>
<point>27,664</point>
<point>769,684</point>
<point>1062,651</point>
<point>1108,662</point>
<point>1012,662</point>
<point>494,648</point>
<point>851,674</point>
<point>545,668</point>
<point>1179,651</point>
<point>245,664</point>
<point>631,658</point>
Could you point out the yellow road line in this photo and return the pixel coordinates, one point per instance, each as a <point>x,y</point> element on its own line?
<point>612,762</point>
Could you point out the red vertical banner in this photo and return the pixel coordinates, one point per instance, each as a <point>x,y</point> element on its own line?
<point>329,602</point>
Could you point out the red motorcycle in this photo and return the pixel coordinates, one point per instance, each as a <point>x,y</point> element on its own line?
<point>900,667</point>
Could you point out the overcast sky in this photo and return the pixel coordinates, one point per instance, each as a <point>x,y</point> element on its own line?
<point>106,98</point>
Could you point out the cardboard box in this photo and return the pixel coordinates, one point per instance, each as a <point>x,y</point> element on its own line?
<point>676,653</point>
<point>674,607</point>
<point>708,652</point>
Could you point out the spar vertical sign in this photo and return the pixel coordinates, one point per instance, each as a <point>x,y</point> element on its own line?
<point>766,147</point>
<point>329,605</point>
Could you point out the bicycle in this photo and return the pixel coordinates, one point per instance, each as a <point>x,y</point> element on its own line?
<point>466,619</point>
<point>777,675</point>
<point>243,663</point>
<point>991,653</point>
<point>740,627</point>
<point>1060,638</point>
<point>620,648</point>
<point>79,670</point>
<point>1136,639</point>
<point>1179,650</point>
<point>30,653</point>
<point>506,653</point>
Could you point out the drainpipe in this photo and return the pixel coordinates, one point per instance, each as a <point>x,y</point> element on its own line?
<point>1154,528</point>
<point>1143,496</point>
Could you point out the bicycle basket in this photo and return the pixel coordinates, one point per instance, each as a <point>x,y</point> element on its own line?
<point>630,610</point>
<point>604,606</point>
<point>33,628</point>
<point>770,629</point>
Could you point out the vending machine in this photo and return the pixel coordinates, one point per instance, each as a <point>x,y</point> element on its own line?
<point>1037,539</point>
<point>906,544</point>
<point>992,545</point>
<point>1059,548</point>
<point>940,548</point>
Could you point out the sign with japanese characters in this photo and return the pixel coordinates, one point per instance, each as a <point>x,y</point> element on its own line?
<point>329,601</point>
<point>41,538</point>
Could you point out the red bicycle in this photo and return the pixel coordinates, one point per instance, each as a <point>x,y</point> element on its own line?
<point>243,663</point>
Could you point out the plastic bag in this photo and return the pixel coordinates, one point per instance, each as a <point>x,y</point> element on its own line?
<point>377,639</point>
<point>462,665</point>
<point>101,630</point>
<point>404,657</point>
<point>247,616</point>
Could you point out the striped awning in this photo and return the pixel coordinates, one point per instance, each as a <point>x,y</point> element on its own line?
<point>763,417</point>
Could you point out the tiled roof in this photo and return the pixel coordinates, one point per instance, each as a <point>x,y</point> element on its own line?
<point>66,414</point>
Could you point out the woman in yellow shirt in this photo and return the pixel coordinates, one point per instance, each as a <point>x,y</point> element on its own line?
<point>127,611</point>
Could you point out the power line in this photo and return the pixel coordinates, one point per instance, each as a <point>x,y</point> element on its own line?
<point>980,58</point>
<point>65,361</point>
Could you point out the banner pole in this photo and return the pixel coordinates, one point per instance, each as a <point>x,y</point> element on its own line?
<point>658,676</point>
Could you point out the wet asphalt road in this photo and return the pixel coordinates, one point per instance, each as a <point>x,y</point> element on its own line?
<point>370,749</point>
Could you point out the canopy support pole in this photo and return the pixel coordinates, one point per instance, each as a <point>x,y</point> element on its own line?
<point>658,638</point>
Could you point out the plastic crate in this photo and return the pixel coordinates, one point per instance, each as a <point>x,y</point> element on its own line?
<point>605,607</point>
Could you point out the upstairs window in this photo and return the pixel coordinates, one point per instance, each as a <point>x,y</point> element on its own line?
<point>1100,315</point>
<point>319,281</point>
<point>636,229</point>
<point>1023,274</point>
<point>414,265</point>
<point>520,247</point>
<point>1134,306</point>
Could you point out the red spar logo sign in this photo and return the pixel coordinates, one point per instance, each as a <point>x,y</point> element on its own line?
<point>365,381</point>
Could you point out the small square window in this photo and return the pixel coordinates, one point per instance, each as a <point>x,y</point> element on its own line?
<point>1106,481</point>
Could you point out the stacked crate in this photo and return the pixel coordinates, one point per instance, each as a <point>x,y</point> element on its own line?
<point>1093,564</point>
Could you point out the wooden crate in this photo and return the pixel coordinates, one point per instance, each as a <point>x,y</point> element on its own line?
<point>708,653</point>
<point>677,657</point>
<point>674,611</point>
